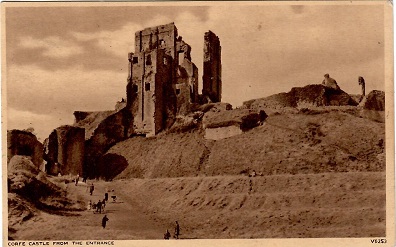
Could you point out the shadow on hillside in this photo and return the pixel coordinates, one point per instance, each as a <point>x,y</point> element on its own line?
<point>110,165</point>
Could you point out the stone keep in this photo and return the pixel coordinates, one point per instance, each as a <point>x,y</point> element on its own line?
<point>163,81</point>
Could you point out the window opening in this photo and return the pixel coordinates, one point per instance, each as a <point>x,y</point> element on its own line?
<point>148,60</point>
<point>147,86</point>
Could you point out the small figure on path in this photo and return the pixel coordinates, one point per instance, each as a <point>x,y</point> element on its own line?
<point>104,221</point>
<point>91,189</point>
<point>104,204</point>
<point>362,83</point>
<point>77,178</point>
<point>90,205</point>
<point>99,207</point>
<point>167,235</point>
<point>177,230</point>
<point>106,196</point>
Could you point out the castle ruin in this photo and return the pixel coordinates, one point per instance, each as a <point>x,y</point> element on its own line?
<point>163,81</point>
<point>212,67</point>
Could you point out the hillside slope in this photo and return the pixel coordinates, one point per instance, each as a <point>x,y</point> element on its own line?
<point>306,142</point>
<point>278,206</point>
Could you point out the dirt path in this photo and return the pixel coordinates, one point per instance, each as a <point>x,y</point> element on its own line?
<point>127,219</point>
<point>277,206</point>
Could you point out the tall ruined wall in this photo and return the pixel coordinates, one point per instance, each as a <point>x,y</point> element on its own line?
<point>212,67</point>
<point>375,100</point>
<point>90,120</point>
<point>111,130</point>
<point>163,81</point>
<point>159,37</point>
<point>151,75</point>
<point>21,142</point>
<point>65,150</point>
<point>165,110</point>
<point>186,78</point>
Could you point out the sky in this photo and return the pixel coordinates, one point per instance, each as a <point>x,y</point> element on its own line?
<point>63,59</point>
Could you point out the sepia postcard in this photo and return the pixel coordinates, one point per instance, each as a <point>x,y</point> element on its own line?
<point>198,123</point>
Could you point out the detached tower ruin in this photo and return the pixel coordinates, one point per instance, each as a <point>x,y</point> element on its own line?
<point>212,67</point>
<point>163,81</point>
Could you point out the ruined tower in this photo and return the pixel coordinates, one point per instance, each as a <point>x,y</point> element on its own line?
<point>162,80</point>
<point>212,67</point>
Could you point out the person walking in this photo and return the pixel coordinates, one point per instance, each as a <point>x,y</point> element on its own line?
<point>104,221</point>
<point>104,203</point>
<point>77,178</point>
<point>91,189</point>
<point>177,230</point>
<point>99,207</point>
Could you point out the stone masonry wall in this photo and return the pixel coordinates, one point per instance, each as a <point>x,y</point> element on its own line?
<point>21,142</point>
<point>64,150</point>
<point>162,81</point>
<point>212,67</point>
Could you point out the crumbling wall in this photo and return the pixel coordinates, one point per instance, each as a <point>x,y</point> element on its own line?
<point>64,150</point>
<point>120,104</point>
<point>375,100</point>
<point>186,79</point>
<point>90,120</point>
<point>159,37</point>
<point>212,82</point>
<point>151,83</point>
<point>162,81</point>
<point>80,116</point>
<point>301,97</point>
<point>111,130</point>
<point>21,142</point>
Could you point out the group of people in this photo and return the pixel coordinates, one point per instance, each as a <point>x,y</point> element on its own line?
<point>97,207</point>
<point>77,179</point>
<point>101,204</point>
<point>167,234</point>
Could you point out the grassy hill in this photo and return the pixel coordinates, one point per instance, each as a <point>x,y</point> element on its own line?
<point>305,142</point>
<point>307,205</point>
<point>321,173</point>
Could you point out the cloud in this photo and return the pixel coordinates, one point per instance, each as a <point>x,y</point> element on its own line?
<point>289,51</point>
<point>53,47</point>
<point>43,124</point>
<point>116,42</point>
<point>37,90</point>
<point>81,64</point>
